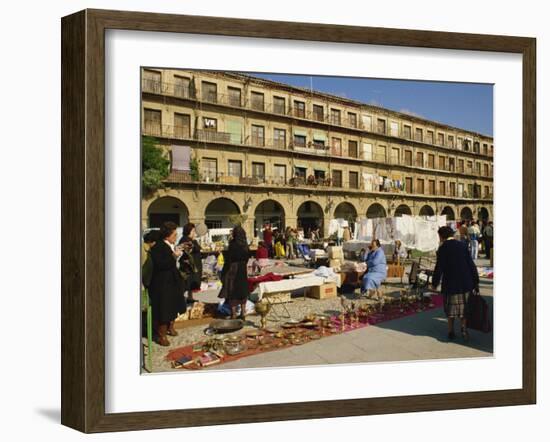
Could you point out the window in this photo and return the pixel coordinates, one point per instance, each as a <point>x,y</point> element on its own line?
<point>486,192</point>
<point>318,141</point>
<point>318,112</point>
<point>299,140</point>
<point>381,126</point>
<point>470,166</point>
<point>182,126</point>
<point>476,147</point>
<point>257,101</point>
<point>182,87</point>
<point>235,168</point>
<point>442,190</point>
<point>442,163</point>
<point>335,117</point>
<point>367,151</point>
<point>491,150</point>
<point>337,178</point>
<point>151,81</point>
<point>419,159</point>
<point>234,96</point>
<point>279,105</point>
<point>407,131</point>
<point>300,172</point>
<point>152,122</point>
<point>380,154</point>
<point>367,122</point>
<point>440,139</point>
<point>258,135</point>
<point>430,137</point>
<point>431,187</point>
<point>470,190</point>
<point>319,174</point>
<point>279,138</point>
<point>419,186</point>
<point>352,119</point>
<point>486,169</point>
<point>337,146</point>
<point>485,149</point>
<point>352,149</point>
<point>452,164</point>
<point>460,143</point>
<point>299,109</point>
<point>354,180</point>
<point>418,134</point>
<point>408,157</point>
<point>467,145</point>
<point>394,129</point>
<point>461,190</point>
<point>431,161</point>
<point>280,174</point>
<point>209,167</point>
<point>258,171</point>
<point>461,166</point>
<point>395,155</point>
<point>209,92</point>
<point>409,185</point>
<point>451,141</point>
<point>210,123</point>
<point>452,188</point>
<point>478,168</point>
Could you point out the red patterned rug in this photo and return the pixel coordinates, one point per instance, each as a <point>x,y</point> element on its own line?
<point>268,341</point>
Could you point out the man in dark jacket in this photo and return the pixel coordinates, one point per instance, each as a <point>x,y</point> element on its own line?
<point>458,275</point>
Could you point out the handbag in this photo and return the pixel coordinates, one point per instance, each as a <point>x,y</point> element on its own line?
<point>477,313</point>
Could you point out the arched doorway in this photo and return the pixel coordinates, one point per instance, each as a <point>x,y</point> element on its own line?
<point>167,208</point>
<point>218,212</point>
<point>310,216</point>
<point>402,209</point>
<point>269,211</point>
<point>466,214</point>
<point>449,212</point>
<point>483,214</point>
<point>376,211</point>
<point>426,211</point>
<point>346,211</point>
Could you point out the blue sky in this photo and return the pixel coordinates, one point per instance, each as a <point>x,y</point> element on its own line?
<point>465,105</point>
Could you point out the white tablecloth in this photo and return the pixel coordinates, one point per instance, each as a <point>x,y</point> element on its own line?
<point>298,282</point>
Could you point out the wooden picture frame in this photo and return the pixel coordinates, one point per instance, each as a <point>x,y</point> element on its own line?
<point>83,216</point>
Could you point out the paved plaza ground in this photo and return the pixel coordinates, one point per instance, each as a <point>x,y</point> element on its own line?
<point>421,336</point>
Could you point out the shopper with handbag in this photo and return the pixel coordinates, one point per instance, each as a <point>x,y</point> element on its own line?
<point>458,275</point>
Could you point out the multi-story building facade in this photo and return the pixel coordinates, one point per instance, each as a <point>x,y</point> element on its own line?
<point>297,157</point>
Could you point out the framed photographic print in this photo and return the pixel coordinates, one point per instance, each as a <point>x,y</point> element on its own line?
<point>249,205</point>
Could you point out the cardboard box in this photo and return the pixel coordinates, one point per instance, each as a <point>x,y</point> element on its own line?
<point>395,271</point>
<point>324,291</point>
<point>336,252</point>
<point>335,263</point>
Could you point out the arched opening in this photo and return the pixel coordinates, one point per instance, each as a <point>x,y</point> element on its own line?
<point>218,212</point>
<point>449,212</point>
<point>310,216</point>
<point>466,214</point>
<point>346,211</point>
<point>483,214</point>
<point>426,211</point>
<point>402,209</point>
<point>376,211</point>
<point>167,208</point>
<point>269,211</point>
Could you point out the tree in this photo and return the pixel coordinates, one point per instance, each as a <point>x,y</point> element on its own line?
<point>154,166</point>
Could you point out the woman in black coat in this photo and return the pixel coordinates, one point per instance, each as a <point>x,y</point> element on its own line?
<point>166,287</point>
<point>234,274</point>
<point>458,275</point>
<point>191,262</point>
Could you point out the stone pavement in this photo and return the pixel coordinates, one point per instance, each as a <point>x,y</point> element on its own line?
<point>417,337</point>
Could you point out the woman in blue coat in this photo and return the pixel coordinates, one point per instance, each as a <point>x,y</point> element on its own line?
<point>376,268</point>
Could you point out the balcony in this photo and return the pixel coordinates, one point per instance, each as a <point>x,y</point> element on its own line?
<point>213,136</point>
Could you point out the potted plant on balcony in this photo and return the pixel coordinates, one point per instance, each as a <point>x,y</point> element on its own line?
<point>154,164</point>
<point>194,166</point>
